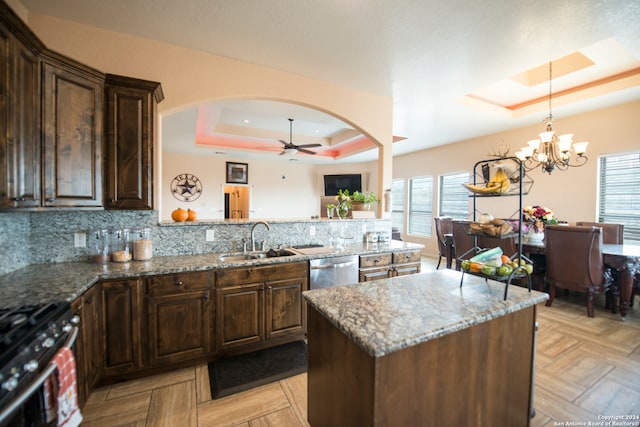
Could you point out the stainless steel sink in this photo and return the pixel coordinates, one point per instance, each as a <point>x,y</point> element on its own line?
<point>237,257</point>
<point>254,255</point>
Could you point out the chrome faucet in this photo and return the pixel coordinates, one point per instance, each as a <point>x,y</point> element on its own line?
<point>253,238</point>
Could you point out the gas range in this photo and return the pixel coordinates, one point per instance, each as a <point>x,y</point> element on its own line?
<point>30,336</point>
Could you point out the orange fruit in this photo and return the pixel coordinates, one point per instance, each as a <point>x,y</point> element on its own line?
<point>475,267</point>
<point>505,259</point>
<point>179,215</point>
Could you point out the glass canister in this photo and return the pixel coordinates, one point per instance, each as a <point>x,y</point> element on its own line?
<point>142,244</point>
<point>120,245</point>
<point>99,246</point>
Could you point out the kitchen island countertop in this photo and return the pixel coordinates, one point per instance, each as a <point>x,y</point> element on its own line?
<point>387,315</point>
<point>43,283</point>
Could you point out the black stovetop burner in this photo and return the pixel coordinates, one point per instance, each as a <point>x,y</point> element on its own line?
<point>20,326</point>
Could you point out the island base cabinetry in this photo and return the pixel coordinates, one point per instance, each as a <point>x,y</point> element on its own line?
<point>478,376</point>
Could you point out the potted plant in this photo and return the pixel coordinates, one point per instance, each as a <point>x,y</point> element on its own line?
<point>362,201</point>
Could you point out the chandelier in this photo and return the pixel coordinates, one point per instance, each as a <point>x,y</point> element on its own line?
<point>552,151</point>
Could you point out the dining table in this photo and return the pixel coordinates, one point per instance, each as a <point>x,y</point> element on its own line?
<point>623,258</point>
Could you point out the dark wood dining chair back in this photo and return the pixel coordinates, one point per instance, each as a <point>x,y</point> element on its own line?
<point>575,261</point>
<point>462,241</point>
<point>611,233</point>
<point>444,225</point>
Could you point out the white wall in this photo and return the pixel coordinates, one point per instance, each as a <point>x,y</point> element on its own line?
<point>191,77</point>
<point>571,194</point>
<point>278,189</point>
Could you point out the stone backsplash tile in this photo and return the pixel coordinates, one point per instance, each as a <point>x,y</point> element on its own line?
<point>45,237</point>
<point>14,238</point>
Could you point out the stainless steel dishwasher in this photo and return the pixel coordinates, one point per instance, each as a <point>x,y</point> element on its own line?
<point>334,271</point>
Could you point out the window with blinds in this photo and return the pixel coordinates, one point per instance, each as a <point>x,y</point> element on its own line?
<point>420,202</point>
<point>454,198</point>
<point>619,193</point>
<point>397,204</point>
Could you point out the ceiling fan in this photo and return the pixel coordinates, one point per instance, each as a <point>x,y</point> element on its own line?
<point>291,148</point>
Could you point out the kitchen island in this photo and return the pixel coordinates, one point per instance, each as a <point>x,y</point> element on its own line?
<point>421,350</point>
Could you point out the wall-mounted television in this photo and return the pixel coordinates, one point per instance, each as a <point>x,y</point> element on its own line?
<point>333,183</point>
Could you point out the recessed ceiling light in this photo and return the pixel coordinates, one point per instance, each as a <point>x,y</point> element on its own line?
<point>221,153</point>
<point>245,121</point>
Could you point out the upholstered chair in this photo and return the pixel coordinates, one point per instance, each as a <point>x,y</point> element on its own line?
<point>611,233</point>
<point>575,261</point>
<point>463,242</point>
<point>614,234</point>
<point>444,226</point>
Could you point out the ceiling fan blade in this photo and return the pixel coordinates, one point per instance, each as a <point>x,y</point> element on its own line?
<point>284,142</point>
<point>309,145</point>
<point>302,150</point>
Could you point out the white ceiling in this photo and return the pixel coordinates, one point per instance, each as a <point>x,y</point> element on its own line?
<point>428,55</point>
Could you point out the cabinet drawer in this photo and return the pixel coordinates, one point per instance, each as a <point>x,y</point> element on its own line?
<point>402,257</point>
<point>264,273</point>
<point>375,260</point>
<point>178,283</point>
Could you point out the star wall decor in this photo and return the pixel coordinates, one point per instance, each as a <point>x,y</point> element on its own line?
<point>186,187</point>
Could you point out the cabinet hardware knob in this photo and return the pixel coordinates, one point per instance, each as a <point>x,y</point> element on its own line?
<point>205,297</point>
<point>375,261</point>
<point>179,283</point>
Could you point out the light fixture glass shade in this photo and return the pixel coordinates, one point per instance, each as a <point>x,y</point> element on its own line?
<point>520,155</point>
<point>564,143</point>
<point>290,151</point>
<point>534,143</point>
<point>527,152</point>
<point>580,147</point>
<point>546,136</point>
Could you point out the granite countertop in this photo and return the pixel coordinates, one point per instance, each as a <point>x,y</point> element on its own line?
<point>42,283</point>
<point>387,315</point>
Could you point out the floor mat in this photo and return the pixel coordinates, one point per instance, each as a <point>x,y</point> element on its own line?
<point>250,370</point>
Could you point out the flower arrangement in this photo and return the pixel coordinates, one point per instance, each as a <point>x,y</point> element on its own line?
<point>343,204</point>
<point>537,217</point>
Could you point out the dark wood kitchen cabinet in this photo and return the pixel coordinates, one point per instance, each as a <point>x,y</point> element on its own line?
<point>384,265</point>
<point>406,262</point>
<point>72,128</point>
<point>19,121</point>
<point>87,350</point>
<point>121,321</point>
<point>258,307</point>
<point>374,266</point>
<point>131,118</point>
<point>179,318</point>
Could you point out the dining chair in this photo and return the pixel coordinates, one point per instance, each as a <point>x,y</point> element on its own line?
<point>463,242</point>
<point>575,261</point>
<point>444,225</point>
<point>611,233</point>
<point>614,234</point>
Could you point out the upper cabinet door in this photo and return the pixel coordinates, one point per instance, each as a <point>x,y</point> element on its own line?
<point>131,120</point>
<point>72,111</point>
<point>19,124</point>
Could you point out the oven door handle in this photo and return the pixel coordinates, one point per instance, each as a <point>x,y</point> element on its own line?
<point>37,382</point>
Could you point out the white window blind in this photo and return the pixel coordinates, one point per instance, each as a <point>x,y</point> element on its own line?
<point>397,204</point>
<point>420,206</point>
<point>454,198</point>
<point>619,199</point>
